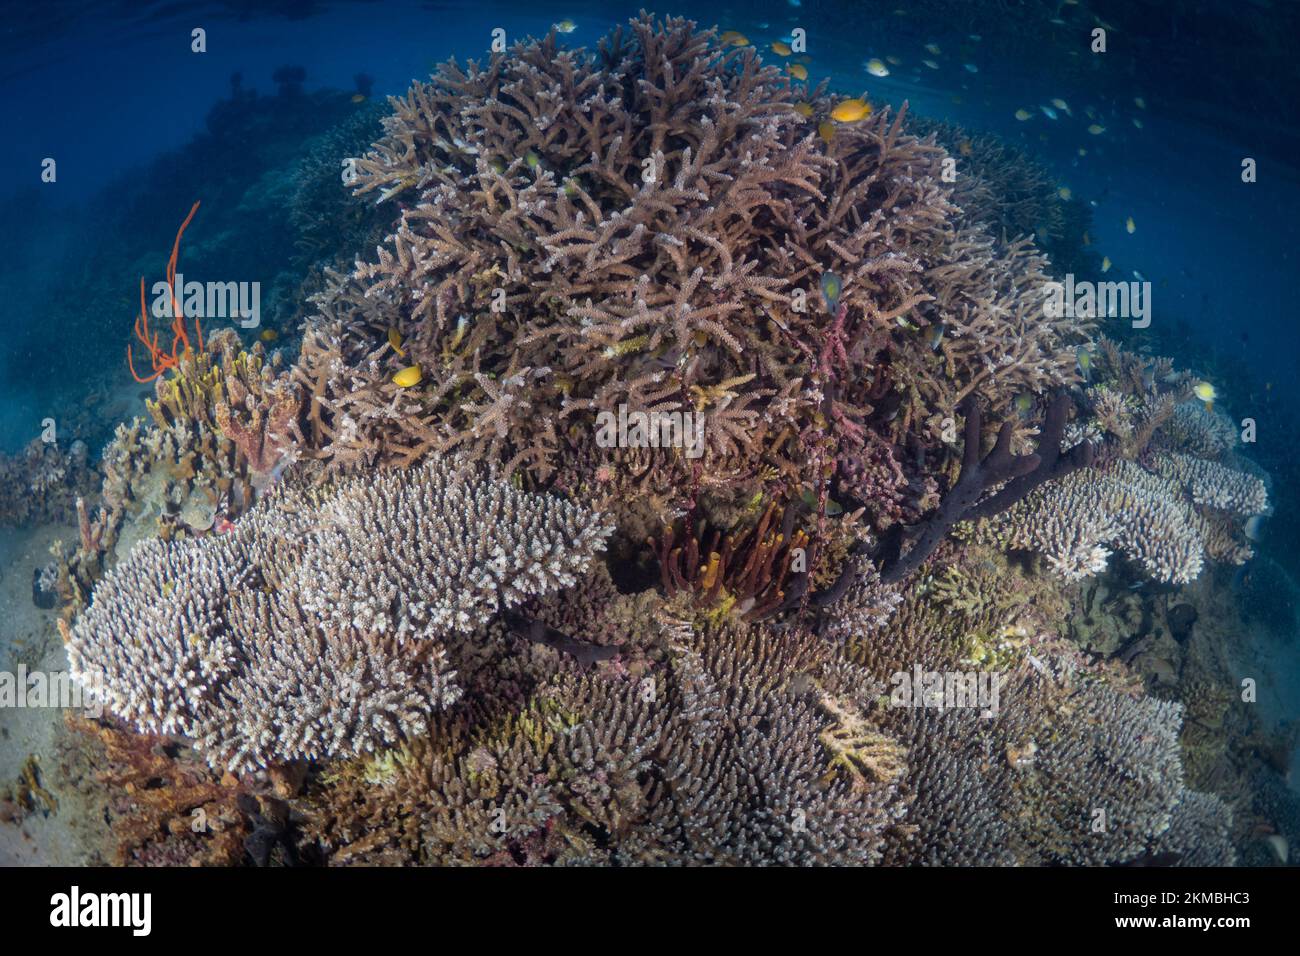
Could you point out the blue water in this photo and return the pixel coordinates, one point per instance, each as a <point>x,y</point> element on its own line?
<point>106,89</point>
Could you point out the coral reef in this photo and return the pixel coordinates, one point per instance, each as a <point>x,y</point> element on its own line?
<point>41,484</point>
<point>397,602</point>
<point>741,747</point>
<point>1168,519</point>
<point>221,429</point>
<point>998,185</point>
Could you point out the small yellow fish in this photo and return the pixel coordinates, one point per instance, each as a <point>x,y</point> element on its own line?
<point>1060,104</point>
<point>964,147</point>
<point>876,67</point>
<point>626,347</point>
<point>894,60</point>
<point>781,48</point>
<point>532,160</point>
<point>1023,115</point>
<point>851,111</point>
<point>1082,151</point>
<point>826,130</point>
<point>1139,102</point>
<point>269,335</point>
<point>933,48</point>
<point>804,109</point>
<point>732,38</point>
<point>1137,122</point>
<point>1206,393</point>
<point>931,64</point>
<point>358,97</point>
<point>1130,225</point>
<point>798,71</point>
<point>1096,129</point>
<point>1064,193</point>
<point>1105,263</point>
<point>408,376</point>
<point>1087,240</point>
<point>395,340</point>
<point>565,26</point>
<point>1083,361</point>
<point>462,323</point>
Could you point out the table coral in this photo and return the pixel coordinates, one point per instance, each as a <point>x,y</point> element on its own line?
<point>310,630</point>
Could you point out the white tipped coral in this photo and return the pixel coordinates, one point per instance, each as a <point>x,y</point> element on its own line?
<point>310,630</point>
<point>1072,519</point>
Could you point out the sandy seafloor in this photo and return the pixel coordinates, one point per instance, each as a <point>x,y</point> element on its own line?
<point>75,833</point>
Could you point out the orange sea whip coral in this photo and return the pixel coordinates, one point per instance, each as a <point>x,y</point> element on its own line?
<point>161,360</point>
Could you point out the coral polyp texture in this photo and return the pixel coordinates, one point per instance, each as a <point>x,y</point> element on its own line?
<point>311,630</point>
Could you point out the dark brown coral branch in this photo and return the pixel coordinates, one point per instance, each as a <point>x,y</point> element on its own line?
<point>1018,474</point>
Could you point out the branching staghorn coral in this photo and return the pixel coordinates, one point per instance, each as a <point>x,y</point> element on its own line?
<point>744,746</point>
<point>999,185</point>
<point>538,276</point>
<point>648,226</point>
<point>311,629</point>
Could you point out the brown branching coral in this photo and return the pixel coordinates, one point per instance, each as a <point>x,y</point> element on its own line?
<point>654,229</point>
<point>166,807</point>
<point>1000,186</point>
<point>743,747</point>
<point>648,227</point>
